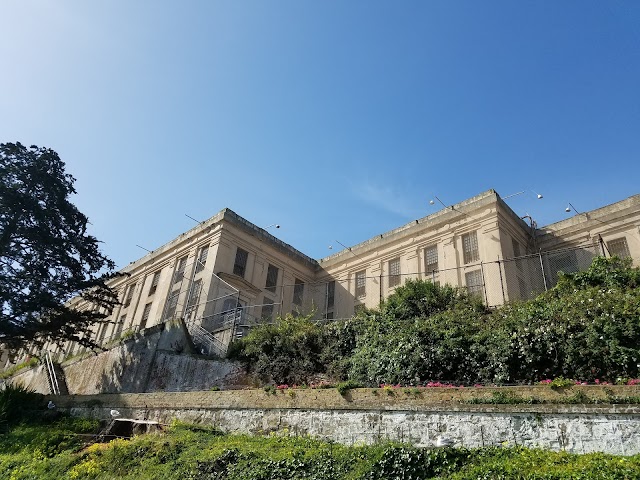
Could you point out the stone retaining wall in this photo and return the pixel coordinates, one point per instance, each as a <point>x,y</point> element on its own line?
<point>370,415</point>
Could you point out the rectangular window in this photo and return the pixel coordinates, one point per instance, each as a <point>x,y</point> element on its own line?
<point>172,303</point>
<point>329,316</point>
<point>394,272</point>
<point>202,258</point>
<point>154,283</point>
<point>194,294</point>
<point>298,292</point>
<point>331,295</point>
<point>361,284</point>
<point>102,333</point>
<point>129,297</point>
<point>272,279</point>
<point>470,247</point>
<point>619,248</point>
<point>145,316</point>
<point>267,310</point>
<point>240,264</point>
<point>120,326</point>
<point>431,259</point>
<point>474,282</point>
<point>359,308</point>
<point>178,275</point>
<point>516,248</point>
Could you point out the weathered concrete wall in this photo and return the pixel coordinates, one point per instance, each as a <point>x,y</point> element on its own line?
<point>153,361</point>
<point>364,417</point>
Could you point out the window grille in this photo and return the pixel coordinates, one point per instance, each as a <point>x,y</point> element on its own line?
<point>202,258</point>
<point>474,282</point>
<point>154,283</point>
<point>172,303</point>
<point>240,264</point>
<point>470,247</point>
<point>272,279</point>
<point>361,284</point>
<point>331,294</point>
<point>145,316</point>
<point>619,248</point>
<point>298,292</point>
<point>178,275</point>
<point>431,259</point>
<point>394,272</point>
<point>267,309</point>
<point>129,297</point>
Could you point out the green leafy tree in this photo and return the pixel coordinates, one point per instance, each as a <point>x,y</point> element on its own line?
<point>46,255</point>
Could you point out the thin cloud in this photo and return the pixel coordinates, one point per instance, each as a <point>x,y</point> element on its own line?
<point>387,198</point>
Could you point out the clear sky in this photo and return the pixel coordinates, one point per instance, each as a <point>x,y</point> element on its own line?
<point>338,120</point>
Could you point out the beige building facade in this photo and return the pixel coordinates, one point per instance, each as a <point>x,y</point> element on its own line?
<point>226,275</point>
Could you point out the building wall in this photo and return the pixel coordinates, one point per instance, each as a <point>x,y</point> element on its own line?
<point>357,277</point>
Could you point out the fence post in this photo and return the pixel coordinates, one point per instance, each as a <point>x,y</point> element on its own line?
<point>504,298</point>
<point>484,285</point>
<point>544,278</point>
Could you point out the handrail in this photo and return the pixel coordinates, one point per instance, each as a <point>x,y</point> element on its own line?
<point>53,379</point>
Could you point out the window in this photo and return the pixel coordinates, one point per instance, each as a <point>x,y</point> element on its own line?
<point>267,310</point>
<point>172,303</point>
<point>178,275</point>
<point>619,248</point>
<point>394,272</point>
<point>129,297</point>
<point>120,326</point>
<point>331,295</point>
<point>474,282</point>
<point>145,316</point>
<point>361,284</point>
<point>431,259</point>
<point>102,332</point>
<point>194,294</point>
<point>470,247</point>
<point>154,283</point>
<point>516,248</point>
<point>240,265</point>
<point>359,308</point>
<point>202,258</point>
<point>329,315</point>
<point>272,279</point>
<point>298,292</point>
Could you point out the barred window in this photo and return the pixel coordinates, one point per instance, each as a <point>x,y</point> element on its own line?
<point>619,248</point>
<point>431,259</point>
<point>194,294</point>
<point>361,284</point>
<point>129,297</point>
<point>331,295</point>
<point>394,272</point>
<point>240,264</point>
<point>202,258</point>
<point>154,283</point>
<point>172,303</point>
<point>178,275</point>
<point>272,278</point>
<point>120,326</point>
<point>516,248</point>
<point>470,247</point>
<point>298,292</point>
<point>267,309</point>
<point>474,282</point>
<point>145,316</point>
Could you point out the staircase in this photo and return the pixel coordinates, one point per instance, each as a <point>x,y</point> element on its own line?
<point>55,376</point>
<point>205,341</point>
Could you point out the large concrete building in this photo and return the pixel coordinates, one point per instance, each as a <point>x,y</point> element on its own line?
<point>226,274</point>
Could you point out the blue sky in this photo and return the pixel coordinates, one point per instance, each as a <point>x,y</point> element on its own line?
<point>338,120</point>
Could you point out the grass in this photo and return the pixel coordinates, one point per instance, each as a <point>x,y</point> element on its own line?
<point>57,450</point>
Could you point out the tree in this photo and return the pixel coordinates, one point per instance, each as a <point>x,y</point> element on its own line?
<point>46,255</point>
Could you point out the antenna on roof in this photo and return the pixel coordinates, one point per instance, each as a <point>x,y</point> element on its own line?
<point>144,248</point>
<point>197,221</point>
